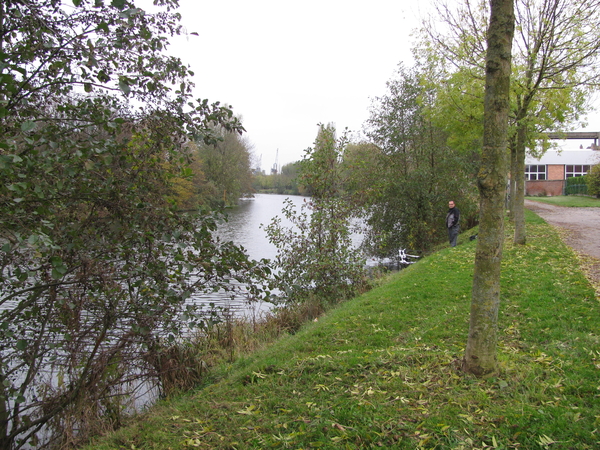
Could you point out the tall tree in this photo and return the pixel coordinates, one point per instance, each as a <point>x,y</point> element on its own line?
<point>286,182</point>
<point>480,354</point>
<point>226,164</point>
<point>557,44</point>
<point>95,262</point>
<point>406,175</point>
<point>560,40</point>
<point>316,255</point>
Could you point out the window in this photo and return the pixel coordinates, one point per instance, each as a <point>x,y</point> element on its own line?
<point>576,171</point>
<point>533,172</point>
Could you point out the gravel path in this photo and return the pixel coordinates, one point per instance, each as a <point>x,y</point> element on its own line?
<point>582,227</point>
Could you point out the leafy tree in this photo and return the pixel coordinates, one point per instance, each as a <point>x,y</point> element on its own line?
<point>226,165</point>
<point>263,182</point>
<point>456,106</point>
<point>556,49</point>
<point>316,258</point>
<point>285,182</point>
<point>480,353</point>
<point>592,179</point>
<point>407,173</point>
<point>362,172</point>
<point>95,262</point>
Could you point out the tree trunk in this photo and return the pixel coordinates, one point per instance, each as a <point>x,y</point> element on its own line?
<point>512,194</point>
<point>480,354</point>
<point>519,203</point>
<point>4,404</point>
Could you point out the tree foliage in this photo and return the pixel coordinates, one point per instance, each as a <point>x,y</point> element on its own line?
<point>95,263</point>
<point>406,174</point>
<point>285,182</point>
<point>226,166</point>
<point>556,50</point>
<point>455,107</point>
<point>592,179</point>
<point>316,257</point>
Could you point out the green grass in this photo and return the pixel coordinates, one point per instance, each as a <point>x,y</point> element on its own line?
<point>381,371</point>
<point>568,200</point>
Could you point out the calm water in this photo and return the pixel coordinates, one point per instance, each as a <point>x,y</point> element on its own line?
<point>245,228</point>
<point>246,221</point>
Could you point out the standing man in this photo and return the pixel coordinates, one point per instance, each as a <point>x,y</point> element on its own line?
<point>452,219</point>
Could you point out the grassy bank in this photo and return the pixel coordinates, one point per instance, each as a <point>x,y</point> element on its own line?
<point>568,200</point>
<point>381,371</point>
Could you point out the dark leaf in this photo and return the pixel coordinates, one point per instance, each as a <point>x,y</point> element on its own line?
<point>119,4</point>
<point>124,86</point>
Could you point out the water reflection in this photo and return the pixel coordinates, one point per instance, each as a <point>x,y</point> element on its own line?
<point>245,228</point>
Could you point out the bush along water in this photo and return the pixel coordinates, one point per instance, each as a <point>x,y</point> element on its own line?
<point>316,258</point>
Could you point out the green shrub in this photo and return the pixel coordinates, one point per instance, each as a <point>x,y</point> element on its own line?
<point>576,186</point>
<point>593,181</point>
<point>315,256</point>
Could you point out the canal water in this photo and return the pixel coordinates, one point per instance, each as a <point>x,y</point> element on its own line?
<point>245,227</point>
<point>246,223</point>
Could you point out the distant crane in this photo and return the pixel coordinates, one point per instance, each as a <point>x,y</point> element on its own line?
<point>275,168</point>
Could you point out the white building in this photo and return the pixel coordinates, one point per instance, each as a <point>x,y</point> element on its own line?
<point>546,175</point>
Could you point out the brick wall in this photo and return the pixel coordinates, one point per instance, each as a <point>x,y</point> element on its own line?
<point>544,187</point>
<point>556,172</point>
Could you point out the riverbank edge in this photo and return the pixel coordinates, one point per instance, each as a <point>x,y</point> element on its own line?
<point>382,369</point>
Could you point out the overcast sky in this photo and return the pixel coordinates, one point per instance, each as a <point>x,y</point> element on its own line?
<point>286,66</point>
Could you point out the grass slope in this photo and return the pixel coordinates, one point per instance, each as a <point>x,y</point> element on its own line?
<point>381,371</point>
<point>568,200</point>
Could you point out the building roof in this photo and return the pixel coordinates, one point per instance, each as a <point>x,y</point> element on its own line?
<point>566,157</point>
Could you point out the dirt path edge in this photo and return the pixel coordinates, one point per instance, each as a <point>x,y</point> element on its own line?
<point>579,228</point>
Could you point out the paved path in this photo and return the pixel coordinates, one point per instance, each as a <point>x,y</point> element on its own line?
<point>583,226</point>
